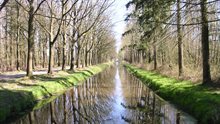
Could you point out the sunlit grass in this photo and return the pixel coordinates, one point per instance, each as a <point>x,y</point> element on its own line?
<point>203,102</point>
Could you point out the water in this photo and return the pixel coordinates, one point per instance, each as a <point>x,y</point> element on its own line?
<point>112,97</point>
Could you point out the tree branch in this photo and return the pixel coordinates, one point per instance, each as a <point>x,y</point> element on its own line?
<point>3,4</point>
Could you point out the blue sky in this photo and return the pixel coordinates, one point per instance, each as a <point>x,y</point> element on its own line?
<point>119,14</point>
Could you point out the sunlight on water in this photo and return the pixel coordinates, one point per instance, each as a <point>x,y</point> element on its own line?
<point>118,109</point>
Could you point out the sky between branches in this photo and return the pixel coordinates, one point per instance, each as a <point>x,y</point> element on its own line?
<point>119,14</point>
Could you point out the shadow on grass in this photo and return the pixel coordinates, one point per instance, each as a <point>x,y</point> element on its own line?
<point>12,102</point>
<point>11,76</point>
<point>48,78</point>
<point>214,84</point>
<point>36,85</point>
<point>8,81</point>
<point>90,72</point>
<point>61,80</point>
<point>83,71</point>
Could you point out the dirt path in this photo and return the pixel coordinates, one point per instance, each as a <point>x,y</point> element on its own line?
<point>15,75</point>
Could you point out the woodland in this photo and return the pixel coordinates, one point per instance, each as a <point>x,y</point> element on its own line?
<point>39,34</point>
<point>172,46</point>
<point>178,38</point>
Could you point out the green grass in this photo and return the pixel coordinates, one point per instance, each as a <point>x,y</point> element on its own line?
<point>203,102</point>
<point>20,94</point>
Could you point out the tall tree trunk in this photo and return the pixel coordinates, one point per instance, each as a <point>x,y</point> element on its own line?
<point>180,44</point>
<point>18,39</point>
<point>64,53</point>
<point>11,52</point>
<point>51,45</point>
<point>93,57</point>
<point>44,57</point>
<point>72,57</point>
<point>131,56</point>
<point>83,58</point>
<point>90,58</point>
<point>64,46</point>
<point>78,57</point>
<point>34,59</point>
<point>205,43</point>
<point>155,56</point>
<point>51,58</point>
<point>30,40</point>
<point>17,56</point>
<point>6,37</point>
<point>10,39</point>
<point>86,58</point>
<point>58,56</point>
<point>149,56</point>
<point>74,35</point>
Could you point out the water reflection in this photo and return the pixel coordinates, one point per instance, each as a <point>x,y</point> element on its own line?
<point>118,110</point>
<point>111,97</point>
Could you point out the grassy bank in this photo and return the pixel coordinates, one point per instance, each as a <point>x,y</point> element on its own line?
<point>16,95</point>
<point>202,102</point>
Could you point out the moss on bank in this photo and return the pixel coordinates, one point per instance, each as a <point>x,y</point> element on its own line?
<point>202,102</point>
<point>17,95</point>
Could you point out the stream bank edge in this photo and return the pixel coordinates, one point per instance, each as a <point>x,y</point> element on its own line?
<point>15,101</point>
<point>200,101</point>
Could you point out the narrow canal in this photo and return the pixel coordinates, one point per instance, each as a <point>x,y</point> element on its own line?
<point>111,97</point>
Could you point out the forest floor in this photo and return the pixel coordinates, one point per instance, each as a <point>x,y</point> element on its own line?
<point>190,73</point>
<point>19,93</point>
<point>201,101</point>
<point>11,75</point>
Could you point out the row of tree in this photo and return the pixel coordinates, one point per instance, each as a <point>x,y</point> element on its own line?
<point>182,33</point>
<point>51,33</point>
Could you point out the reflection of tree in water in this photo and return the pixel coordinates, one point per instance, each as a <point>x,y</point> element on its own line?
<point>93,102</point>
<point>93,98</point>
